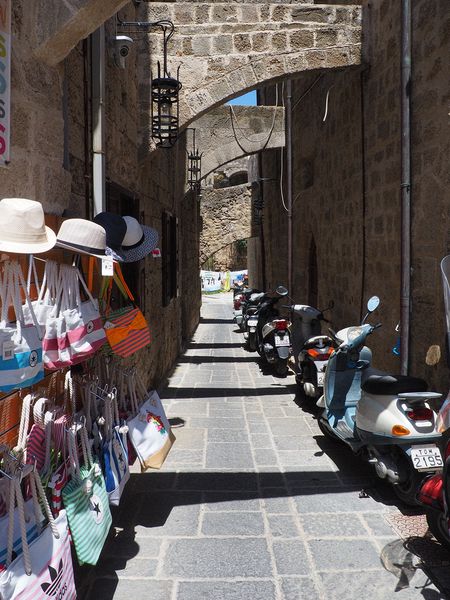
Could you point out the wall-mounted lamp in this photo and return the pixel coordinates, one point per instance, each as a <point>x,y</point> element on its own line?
<point>194,165</point>
<point>165,111</point>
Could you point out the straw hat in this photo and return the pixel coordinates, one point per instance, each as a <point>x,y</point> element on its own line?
<point>22,227</point>
<point>82,236</point>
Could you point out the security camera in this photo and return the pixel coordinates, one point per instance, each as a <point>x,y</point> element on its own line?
<point>122,47</point>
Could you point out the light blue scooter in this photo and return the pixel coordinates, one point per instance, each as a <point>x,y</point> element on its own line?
<point>386,419</point>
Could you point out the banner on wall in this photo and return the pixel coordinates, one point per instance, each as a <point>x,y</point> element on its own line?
<point>213,281</point>
<point>5,81</point>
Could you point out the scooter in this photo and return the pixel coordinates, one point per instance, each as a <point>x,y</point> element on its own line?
<point>434,493</point>
<point>250,320</point>
<point>311,349</point>
<point>386,419</point>
<point>239,304</point>
<point>273,337</point>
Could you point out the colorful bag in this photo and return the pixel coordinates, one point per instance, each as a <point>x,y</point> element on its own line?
<point>126,328</point>
<point>84,325</point>
<point>47,292</point>
<point>44,569</point>
<point>86,502</point>
<point>20,344</point>
<point>115,454</point>
<point>149,429</point>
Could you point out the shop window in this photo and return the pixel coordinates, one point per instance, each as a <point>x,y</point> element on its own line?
<point>169,258</point>
<point>124,203</point>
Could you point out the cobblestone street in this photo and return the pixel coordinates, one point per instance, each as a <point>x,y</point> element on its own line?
<point>253,503</point>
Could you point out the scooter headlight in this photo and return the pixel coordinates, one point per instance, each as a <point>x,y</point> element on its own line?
<point>353,333</point>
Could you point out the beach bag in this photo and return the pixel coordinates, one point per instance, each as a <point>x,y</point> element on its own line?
<point>84,325</point>
<point>44,567</point>
<point>47,292</point>
<point>86,501</point>
<point>55,345</point>
<point>148,427</point>
<point>115,454</point>
<point>126,328</point>
<point>20,344</point>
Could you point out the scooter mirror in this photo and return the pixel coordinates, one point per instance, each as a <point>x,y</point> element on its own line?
<point>281,290</point>
<point>373,303</point>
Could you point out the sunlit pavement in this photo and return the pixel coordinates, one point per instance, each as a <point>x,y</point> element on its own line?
<point>253,502</point>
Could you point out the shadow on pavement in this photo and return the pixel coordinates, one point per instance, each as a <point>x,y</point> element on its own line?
<point>211,345</point>
<point>223,392</point>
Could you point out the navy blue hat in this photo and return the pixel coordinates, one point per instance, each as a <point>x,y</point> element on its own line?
<point>116,228</point>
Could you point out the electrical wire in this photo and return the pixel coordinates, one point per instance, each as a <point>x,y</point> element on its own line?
<point>235,120</point>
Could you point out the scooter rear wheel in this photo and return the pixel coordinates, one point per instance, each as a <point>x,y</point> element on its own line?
<point>327,433</point>
<point>439,526</point>
<point>407,491</point>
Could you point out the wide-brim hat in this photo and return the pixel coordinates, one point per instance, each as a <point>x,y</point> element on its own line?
<point>115,227</point>
<point>22,227</point>
<point>82,236</point>
<point>138,242</point>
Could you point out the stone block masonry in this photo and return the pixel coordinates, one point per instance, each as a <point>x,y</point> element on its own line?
<point>224,49</point>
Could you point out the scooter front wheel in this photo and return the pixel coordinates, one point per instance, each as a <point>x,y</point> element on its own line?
<point>439,526</point>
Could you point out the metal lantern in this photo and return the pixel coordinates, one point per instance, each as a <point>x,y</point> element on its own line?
<point>164,88</point>
<point>194,165</point>
<point>165,101</point>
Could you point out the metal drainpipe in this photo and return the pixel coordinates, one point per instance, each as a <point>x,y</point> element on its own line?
<point>405,301</point>
<point>289,181</point>
<point>98,120</point>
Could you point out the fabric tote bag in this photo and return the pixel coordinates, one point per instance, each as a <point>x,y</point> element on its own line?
<point>86,503</point>
<point>44,569</point>
<point>126,328</point>
<point>115,454</point>
<point>47,292</point>
<point>148,428</point>
<point>84,325</point>
<point>20,344</point>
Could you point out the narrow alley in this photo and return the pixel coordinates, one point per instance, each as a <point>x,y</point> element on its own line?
<point>252,502</point>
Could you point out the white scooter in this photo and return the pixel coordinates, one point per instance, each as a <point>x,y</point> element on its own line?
<point>311,349</point>
<point>387,419</point>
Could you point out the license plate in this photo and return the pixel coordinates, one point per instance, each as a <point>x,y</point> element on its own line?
<point>320,378</point>
<point>252,322</point>
<point>282,340</point>
<point>425,458</point>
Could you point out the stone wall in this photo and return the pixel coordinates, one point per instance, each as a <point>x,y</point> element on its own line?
<point>347,191</point>
<point>226,216</point>
<point>51,161</point>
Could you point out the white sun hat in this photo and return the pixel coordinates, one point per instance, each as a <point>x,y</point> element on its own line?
<point>22,227</point>
<point>138,242</point>
<point>82,236</point>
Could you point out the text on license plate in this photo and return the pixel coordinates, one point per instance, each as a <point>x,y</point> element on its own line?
<point>282,340</point>
<point>252,322</point>
<point>426,457</point>
<point>320,378</point>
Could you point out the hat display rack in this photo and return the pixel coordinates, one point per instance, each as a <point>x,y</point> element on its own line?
<point>27,232</point>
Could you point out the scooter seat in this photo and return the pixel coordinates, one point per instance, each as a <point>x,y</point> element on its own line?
<point>384,385</point>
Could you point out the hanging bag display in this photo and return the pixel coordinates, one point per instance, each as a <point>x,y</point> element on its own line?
<point>86,501</point>
<point>55,345</point>
<point>20,344</point>
<point>44,568</point>
<point>126,328</point>
<point>149,428</point>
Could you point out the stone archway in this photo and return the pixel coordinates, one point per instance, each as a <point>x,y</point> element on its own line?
<point>224,49</point>
<point>256,127</point>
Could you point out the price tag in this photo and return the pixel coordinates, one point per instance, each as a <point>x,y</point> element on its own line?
<point>107,267</point>
<point>8,350</point>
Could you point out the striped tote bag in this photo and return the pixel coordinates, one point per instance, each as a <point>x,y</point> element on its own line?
<point>126,328</point>
<point>86,502</point>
